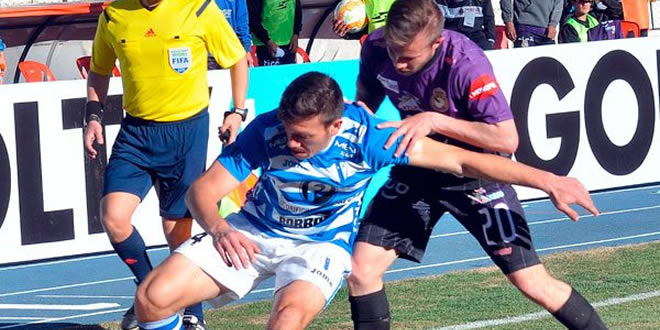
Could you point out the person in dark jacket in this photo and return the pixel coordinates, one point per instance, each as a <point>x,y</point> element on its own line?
<point>607,10</point>
<point>473,18</point>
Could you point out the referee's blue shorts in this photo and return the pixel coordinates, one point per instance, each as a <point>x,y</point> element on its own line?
<point>166,155</point>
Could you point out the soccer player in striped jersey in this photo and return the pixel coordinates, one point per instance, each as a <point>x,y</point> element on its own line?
<point>317,155</point>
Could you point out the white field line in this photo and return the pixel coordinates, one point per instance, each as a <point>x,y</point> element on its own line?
<point>545,314</point>
<point>56,307</point>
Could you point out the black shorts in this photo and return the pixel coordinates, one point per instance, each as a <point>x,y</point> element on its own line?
<point>402,216</point>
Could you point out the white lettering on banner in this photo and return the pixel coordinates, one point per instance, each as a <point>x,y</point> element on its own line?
<point>49,193</point>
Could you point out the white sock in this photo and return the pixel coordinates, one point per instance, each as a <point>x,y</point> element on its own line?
<point>170,323</point>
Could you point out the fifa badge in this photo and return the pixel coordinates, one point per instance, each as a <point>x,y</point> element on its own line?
<point>180,59</point>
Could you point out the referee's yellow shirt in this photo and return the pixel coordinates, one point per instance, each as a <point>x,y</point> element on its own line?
<point>162,54</point>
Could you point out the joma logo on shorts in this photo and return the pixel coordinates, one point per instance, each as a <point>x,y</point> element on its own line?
<point>323,276</point>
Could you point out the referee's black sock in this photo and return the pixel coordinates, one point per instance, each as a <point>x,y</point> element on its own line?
<point>134,254</point>
<point>371,311</point>
<point>578,314</point>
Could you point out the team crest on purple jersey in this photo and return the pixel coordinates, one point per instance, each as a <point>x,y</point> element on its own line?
<point>439,101</point>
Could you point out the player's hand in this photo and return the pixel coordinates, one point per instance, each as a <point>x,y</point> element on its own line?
<point>272,48</point>
<point>340,28</point>
<point>93,132</point>
<point>564,191</point>
<point>510,31</point>
<point>231,124</point>
<point>412,128</point>
<point>551,32</point>
<point>250,60</point>
<point>235,249</point>
<point>293,45</point>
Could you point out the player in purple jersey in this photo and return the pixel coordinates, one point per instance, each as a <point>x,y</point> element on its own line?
<point>312,135</point>
<point>444,87</point>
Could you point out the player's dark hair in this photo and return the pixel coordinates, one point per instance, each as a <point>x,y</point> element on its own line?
<point>313,93</point>
<point>407,18</point>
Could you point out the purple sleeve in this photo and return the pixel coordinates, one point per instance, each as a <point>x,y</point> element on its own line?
<point>477,89</point>
<point>368,63</point>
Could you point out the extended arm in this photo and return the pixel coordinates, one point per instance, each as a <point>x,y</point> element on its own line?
<point>202,198</point>
<point>97,90</point>
<point>446,158</point>
<point>500,137</point>
<point>239,84</point>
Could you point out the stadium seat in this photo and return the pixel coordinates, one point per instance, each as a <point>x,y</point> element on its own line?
<point>501,41</point>
<point>637,11</point>
<point>34,71</point>
<point>83,67</point>
<point>629,29</point>
<point>303,54</point>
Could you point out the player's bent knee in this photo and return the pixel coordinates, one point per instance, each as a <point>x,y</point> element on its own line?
<point>531,277</point>
<point>289,317</point>
<point>365,275</point>
<point>118,227</point>
<point>155,299</point>
<point>539,286</point>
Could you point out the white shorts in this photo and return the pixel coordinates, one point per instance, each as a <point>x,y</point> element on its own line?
<point>323,264</point>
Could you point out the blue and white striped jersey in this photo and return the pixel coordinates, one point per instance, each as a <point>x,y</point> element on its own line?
<point>316,199</point>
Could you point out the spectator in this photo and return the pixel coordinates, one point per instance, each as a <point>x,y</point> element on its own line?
<point>531,22</point>
<point>473,18</point>
<point>607,10</point>
<point>578,26</point>
<point>376,15</point>
<point>275,26</point>
<point>236,13</point>
<point>581,26</point>
<point>3,62</point>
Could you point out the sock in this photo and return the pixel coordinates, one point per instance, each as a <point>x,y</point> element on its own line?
<point>371,311</point>
<point>196,310</point>
<point>170,323</point>
<point>577,314</point>
<point>134,253</point>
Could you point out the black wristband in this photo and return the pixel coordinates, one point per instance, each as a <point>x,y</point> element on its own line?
<point>241,111</point>
<point>93,111</point>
